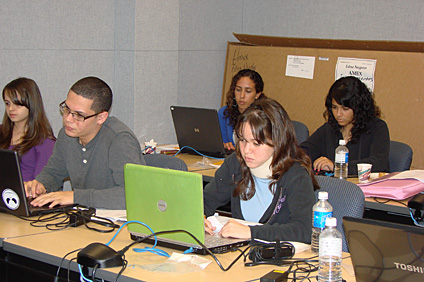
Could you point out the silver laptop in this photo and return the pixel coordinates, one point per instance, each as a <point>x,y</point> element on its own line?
<point>166,199</point>
<point>199,129</point>
<point>385,251</point>
<point>12,189</point>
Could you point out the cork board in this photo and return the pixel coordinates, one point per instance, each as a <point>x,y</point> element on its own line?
<point>398,86</point>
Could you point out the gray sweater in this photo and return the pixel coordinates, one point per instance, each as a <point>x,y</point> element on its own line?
<point>96,171</point>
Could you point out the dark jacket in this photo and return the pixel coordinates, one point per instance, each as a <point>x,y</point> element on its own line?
<point>288,217</point>
<point>372,147</point>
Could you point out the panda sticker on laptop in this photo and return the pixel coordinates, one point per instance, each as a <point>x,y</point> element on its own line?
<point>10,199</point>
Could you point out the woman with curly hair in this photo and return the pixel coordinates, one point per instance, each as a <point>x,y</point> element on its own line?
<point>25,126</point>
<point>352,115</point>
<point>268,180</point>
<point>246,87</point>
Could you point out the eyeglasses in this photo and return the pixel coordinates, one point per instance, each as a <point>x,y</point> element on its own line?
<point>64,110</point>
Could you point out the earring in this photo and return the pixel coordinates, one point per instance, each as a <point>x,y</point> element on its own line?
<point>234,103</point>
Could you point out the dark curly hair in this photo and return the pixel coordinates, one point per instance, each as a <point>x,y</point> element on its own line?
<point>232,111</point>
<point>271,125</point>
<point>351,92</point>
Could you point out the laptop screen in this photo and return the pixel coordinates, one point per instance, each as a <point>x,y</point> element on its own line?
<point>165,199</point>
<point>385,251</point>
<point>199,129</point>
<point>11,184</point>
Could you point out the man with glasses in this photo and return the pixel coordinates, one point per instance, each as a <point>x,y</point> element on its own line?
<point>91,150</point>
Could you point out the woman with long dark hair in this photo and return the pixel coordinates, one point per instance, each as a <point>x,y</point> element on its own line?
<point>268,179</point>
<point>246,87</point>
<point>352,115</point>
<point>25,126</point>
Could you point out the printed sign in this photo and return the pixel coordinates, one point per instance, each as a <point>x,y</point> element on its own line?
<point>364,69</point>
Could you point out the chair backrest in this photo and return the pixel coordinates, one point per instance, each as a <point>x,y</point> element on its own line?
<point>400,156</point>
<point>346,198</point>
<point>302,131</point>
<point>165,161</point>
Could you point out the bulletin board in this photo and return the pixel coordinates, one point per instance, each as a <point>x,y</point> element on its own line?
<point>398,80</point>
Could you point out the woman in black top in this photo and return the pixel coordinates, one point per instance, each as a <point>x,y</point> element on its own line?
<point>352,115</point>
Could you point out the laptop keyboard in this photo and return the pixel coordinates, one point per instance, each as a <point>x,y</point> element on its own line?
<point>211,241</point>
<point>216,240</point>
<point>45,207</point>
<point>31,207</point>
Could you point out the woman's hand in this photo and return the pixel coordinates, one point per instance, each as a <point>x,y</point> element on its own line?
<point>322,163</point>
<point>235,229</point>
<point>208,227</point>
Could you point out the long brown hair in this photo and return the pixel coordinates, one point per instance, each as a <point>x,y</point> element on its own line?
<point>272,126</point>
<point>232,111</point>
<point>38,126</point>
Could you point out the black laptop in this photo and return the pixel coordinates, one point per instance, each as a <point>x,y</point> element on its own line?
<point>12,189</point>
<point>199,129</point>
<point>385,251</point>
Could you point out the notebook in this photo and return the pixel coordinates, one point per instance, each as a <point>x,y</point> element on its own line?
<point>385,251</point>
<point>167,199</point>
<point>12,189</point>
<point>199,129</point>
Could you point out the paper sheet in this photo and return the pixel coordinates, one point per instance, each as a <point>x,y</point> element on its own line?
<point>363,69</point>
<point>114,215</point>
<point>408,174</point>
<point>300,66</point>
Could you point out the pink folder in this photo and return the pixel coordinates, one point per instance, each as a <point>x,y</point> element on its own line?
<point>396,189</point>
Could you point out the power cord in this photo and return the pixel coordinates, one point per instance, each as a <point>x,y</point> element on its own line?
<point>70,216</point>
<point>87,256</point>
<point>302,270</point>
<point>154,234</point>
<point>270,253</point>
<point>194,237</point>
<point>197,152</point>
<point>56,278</point>
<point>418,220</point>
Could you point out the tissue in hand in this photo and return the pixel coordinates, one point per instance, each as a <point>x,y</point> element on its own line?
<point>219,221</point>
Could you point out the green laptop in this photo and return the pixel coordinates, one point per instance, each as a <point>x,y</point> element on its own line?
<point>166,199</point>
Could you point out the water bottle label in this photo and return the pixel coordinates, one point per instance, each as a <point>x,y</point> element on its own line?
<point>346,158</point>
<point>319,218</point>
<point>330,247</point>
<point>341,158</point>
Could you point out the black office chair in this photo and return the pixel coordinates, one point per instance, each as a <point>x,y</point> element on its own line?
<point>165,161</point>
<point>346,198</point>
<point>302,131</point>
<point>400,156</point>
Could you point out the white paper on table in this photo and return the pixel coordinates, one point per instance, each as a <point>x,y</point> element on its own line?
<point>410,174</point>
<point>114,215</point>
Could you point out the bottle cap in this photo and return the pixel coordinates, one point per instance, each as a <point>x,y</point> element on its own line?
<point>322,195</point>
<point>342,142</point>
<point>331,221</point>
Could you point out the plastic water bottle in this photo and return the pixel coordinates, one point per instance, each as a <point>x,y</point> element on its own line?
<point>320,211</point>
<point>330,253</point>
<point>341,161</point>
